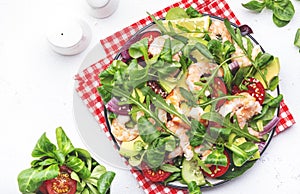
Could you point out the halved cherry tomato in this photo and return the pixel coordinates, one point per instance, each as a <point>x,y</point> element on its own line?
<point>150,35</point>
<point>43,189</point>
<point>219,89</point>
<point>154,176</point>
<point>62,184</point>
<point>217,171</point>
<point>254,88</point>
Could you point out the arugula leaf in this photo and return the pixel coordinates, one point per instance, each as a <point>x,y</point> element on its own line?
<point>159,102</point>
<point>146,109</point>
<point>204,50</point>
<point>188,96</point>
<point>218,118</point>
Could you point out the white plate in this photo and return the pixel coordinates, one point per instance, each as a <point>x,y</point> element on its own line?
<point>90,131</point>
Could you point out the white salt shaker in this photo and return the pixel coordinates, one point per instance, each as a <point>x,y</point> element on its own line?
<point>102,8</point>
<point>69,36</point>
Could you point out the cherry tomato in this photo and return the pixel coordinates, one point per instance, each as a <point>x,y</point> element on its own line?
<point>217,171</point>
<point>150,35</point>
<point>254,88</point>
<point>219,89</point>
<point>62,184</point>
<point>154,176</point>
<point>43,189</point>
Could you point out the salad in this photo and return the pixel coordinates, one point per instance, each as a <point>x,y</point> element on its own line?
<point>191,100</point>
<point>63,169</point>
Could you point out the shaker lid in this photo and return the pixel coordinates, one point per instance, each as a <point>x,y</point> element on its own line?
<point>65,33</point>
<point>98,3</point>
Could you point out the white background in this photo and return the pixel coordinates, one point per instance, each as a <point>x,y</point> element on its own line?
<point>36,88</point>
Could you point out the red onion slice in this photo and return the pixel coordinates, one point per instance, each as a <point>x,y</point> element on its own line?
<point>113,106</point>
<point>245,30</point>
<point>234,66</point>
<point>270,126</point>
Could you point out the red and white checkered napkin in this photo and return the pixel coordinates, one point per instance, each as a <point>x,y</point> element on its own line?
<point>88,81</point>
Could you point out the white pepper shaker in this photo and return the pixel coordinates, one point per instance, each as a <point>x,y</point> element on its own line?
<point>102,8</point>
<point>69,36</point>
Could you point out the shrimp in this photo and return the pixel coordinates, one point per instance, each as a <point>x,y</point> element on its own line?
<point>219,31</point>
<point>240,57</point>
<point>196,70</point>
<point>157,45</point>
<point>184,144</point>
<point>120,131</point>
<point>244,107</point>
<point>175,98</point>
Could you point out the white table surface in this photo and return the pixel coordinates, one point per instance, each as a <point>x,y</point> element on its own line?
<point>36,89</point>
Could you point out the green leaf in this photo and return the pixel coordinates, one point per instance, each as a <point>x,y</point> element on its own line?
<point>46,162</point>
<point>159,102</point>
<point>274,83</point>
<point>138,77</point>
<point>61,157</point>
<point>278,22</point>
<point>255,5</point>
<point>263,60</point>
<point>249,148</point>
<point>170,168</point>
<point>188,96</point>
<point>216,157</point>
<point>192,12</point>
<point>147,130</point>
<point>193,188</point>
<point>44,148</point>
<point>105,181</point>
<point>139,49</point>
<point>30,179</point>
<point>77,165</point>
<point>166,53</point>
<point>235,171</point>
<point>92,188</point>
<point>285,13</point>
<point>155,155</point>
<point>173,177</point>
<point>204,50</point>
<point>98,171</point>
<point>275,102</point>
<point>197,133</point>
<point>26,181</point>
<point>297,38</point>
<point>218,118</point>
<point>63,142</point>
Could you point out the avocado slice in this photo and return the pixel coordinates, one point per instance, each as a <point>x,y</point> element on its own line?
<point>127,149</point>
<point>270,72</point>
